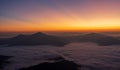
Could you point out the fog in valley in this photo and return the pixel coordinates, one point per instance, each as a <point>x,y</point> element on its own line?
<point>90,55</point>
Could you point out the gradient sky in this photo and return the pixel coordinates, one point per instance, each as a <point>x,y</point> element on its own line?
<point>59,15</point>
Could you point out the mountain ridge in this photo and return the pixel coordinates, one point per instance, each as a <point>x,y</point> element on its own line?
<point>35,39</point>
<point>40,38</point>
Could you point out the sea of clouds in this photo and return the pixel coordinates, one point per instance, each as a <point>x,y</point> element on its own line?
<point>89,55</point>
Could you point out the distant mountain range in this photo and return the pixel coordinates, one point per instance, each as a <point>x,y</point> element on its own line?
<point>34,39</point>
<point>45,39</point>
<point>100,39</point>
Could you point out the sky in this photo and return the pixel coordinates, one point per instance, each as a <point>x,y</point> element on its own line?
<point>59,15</point>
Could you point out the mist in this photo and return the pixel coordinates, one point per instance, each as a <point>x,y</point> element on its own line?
<point>89,55</point>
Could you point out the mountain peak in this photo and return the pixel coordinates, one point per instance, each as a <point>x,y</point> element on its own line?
<point>95,34</point>
<point>39,33</point>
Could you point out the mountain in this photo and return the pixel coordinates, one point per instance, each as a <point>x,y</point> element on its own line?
<point>100,39</point>
<point>44,39</point>
<point>4,41</point>
<point>34,39</point>
<point>97,38</point>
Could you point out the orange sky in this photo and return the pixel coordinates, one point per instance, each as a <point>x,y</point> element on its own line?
<point>56,15</point>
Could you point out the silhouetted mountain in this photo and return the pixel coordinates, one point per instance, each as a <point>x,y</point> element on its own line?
<point>60,64</point>
<point>100,39</point>
<point>40,34</point>
<point>4,41</point>
<point>44,39</point>
<point>35,39</point>
<point>118,38</point>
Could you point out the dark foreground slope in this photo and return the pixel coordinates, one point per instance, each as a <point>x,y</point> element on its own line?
<point>60,64</point>
<point>4,60</point>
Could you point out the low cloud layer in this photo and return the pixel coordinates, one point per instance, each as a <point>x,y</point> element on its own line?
<point>90,55</point>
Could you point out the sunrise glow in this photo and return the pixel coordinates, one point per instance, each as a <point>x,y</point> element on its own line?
<point>59,15</point>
